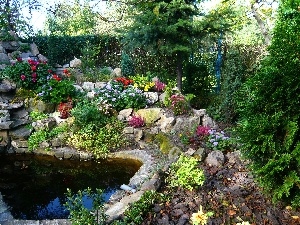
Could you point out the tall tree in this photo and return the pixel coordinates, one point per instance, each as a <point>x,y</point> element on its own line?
<point>10,14</point>
<point>163,26</point>
<point>71,19</point>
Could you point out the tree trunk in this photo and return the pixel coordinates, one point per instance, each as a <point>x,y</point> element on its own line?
<point>179,71</point>
<point>262,26</point>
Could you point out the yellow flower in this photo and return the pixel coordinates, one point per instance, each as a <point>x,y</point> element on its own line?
<point>135,85</point>
<point>146,88</point>
<point>199,218</point>
<point>243,223</point>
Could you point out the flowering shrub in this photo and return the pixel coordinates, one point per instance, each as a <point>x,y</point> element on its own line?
<point>179,105</point>
<point>57,89</point>
<point>159,86</point>
<point>200,218</point>
<point>217,140</point>
<point>195,137</point>
<point>30,74</point>
<point>121,98</point>
<point>136,121</point>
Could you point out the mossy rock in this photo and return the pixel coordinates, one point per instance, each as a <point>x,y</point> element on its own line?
<point>150,115</point>
<point>165,144</point>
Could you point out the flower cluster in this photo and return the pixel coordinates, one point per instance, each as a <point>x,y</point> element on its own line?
<point>28,74</point>
<point>159,86</point>
<point>196,137</point>
<point>179,105</point>
<point>136,121</point>
<point>124,80</point>
<point>121,98</point>
<point>217,140</point>
<point>200,218</point>
<point>142,82</point>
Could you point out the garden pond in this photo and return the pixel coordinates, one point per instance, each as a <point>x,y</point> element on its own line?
<point>34,187</point>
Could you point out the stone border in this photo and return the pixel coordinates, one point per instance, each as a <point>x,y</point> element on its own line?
<point>144,179</point>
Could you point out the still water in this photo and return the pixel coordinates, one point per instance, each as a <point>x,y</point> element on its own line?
<point>34,187</point>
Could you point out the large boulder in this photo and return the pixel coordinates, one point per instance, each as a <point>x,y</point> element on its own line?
<point>150,115</point>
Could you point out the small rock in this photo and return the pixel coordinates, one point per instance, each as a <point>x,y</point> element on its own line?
<point>215,158</point>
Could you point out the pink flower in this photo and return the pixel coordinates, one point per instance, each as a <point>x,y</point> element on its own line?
<point>34,75</point>
<point>23,77</point>
<point>33,80</point>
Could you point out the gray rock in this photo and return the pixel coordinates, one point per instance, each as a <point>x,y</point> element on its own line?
<point>4,116</point>
<point>117,72</point>
<point>22,132</point>
<point>19,143</point>
<point>42,58</point>
<point>150,115</point>
<point>6,125</point>
<point>138,133</point>
<point>200,154</point>
<point>215,158</point>
<point>34,49</point>
<point>124,114</point>
<point>75,63</point>
<point>209,122</point>
<point>165,124</point>
<point>128,130</point>
<point>25,55</point>
<point>4,58</point>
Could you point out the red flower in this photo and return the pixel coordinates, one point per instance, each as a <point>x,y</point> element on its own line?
<point>33,68</point>
<point>34,75</point>
<point>19,59</point>
<point>55,77</point>
<point>49,71</point>
<point>23,77</point>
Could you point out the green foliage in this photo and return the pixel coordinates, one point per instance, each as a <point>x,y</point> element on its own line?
<point>135,213</point>
<point>57,90</point>
<point>29,74</point>
<point>165,144</point>
<point>267,103</point>
<point>42,135</point>
<point>87,112</point>
<point>185,173</point>
<point>127,65</point>
<point>71,19</point>
<point>36,115</point>
<point>79,215</point>
<point>99,140</point>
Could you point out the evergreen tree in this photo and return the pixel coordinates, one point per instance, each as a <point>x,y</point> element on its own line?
<point>268,106</point>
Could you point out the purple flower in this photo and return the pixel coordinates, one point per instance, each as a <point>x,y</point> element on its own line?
<point>215,143</point>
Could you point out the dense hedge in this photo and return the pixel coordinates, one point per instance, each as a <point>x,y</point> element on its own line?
<point>269,107</point>
<point>62,49</point>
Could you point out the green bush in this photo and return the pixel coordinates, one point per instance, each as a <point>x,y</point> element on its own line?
<point>99,140</point>
<point>270,118</point>
<point>185,173</point>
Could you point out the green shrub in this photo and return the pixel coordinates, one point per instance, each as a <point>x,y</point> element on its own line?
<point>185,173</point>
<point>99,140</point>
<point>270,118</point>
<point>86,112</point>
<point>127,65</point>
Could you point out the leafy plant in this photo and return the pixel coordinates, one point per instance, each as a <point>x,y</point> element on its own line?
<point>87,112</point>
<point>36,115</point>
<point>30,74</point>
<point>142,82</point>
<point>135,213</point>
<point>79,214</point>
<point>99,140</point>
<point>185,173</point>
<point>42,135</point>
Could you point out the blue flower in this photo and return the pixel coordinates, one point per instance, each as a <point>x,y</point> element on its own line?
<point>215,143</point>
